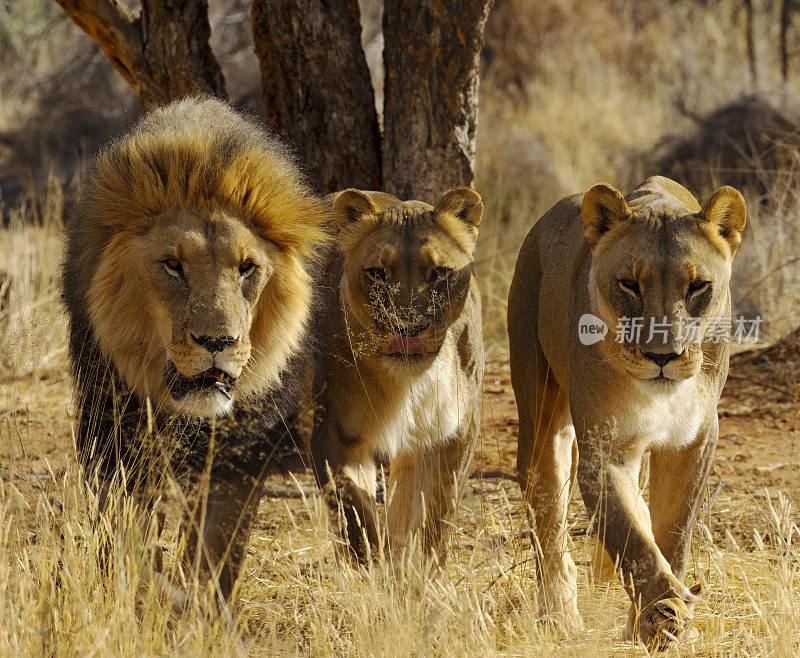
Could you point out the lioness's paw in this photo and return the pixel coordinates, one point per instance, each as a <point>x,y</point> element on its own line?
<point>663,623</point>
<point>568,623</point>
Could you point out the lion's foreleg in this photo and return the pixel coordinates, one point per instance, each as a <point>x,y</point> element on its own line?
<point>400,499</point>
<point>662,605</point>
<point>346,472</point>
<point>218,529</point>
<point>438,480</point>
<point>677,481</point>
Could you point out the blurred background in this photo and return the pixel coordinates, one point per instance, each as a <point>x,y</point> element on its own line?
<point>573,92</point>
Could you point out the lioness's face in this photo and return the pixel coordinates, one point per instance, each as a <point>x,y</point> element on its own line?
<point>206,272</point>
<point>407,271</point>
<point>659,280</point>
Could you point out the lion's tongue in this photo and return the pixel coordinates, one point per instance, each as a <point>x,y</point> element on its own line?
<point>406,345</point>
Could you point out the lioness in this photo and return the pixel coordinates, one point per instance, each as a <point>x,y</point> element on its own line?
<point>400,365</point>
<point>188,288</point>
<point>655,255</point>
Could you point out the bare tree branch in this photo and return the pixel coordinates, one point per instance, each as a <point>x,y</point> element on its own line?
<point>113,28</point>
<point>163,54</point>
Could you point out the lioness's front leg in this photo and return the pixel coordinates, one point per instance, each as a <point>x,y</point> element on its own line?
<point>610,491</point>
<point>677,480</point>
<point>438,479</point>
<point>345,471</point>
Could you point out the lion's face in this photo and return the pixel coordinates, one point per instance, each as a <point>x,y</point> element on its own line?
<point>205,275</point>
<point>407,270</point>
<point>187,309</point>
<point>660,275</point>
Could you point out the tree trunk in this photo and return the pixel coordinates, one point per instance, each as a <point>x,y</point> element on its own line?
<point>431,94</point>
<point>163,54</point>
<point>317,88</point>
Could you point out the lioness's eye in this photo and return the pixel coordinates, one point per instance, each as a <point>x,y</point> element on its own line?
<point>698,287</point>
<point>173,266</point>
<point>376,274</point>
<point>246,269</point>
<point>440,273</point>
<point>630,286</point>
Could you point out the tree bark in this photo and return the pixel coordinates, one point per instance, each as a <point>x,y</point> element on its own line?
<point>431,94</point>
<point>317,88</point>
<point>163,53</point>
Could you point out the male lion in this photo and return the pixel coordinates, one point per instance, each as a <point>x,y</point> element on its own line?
<point>400,365</point>
<point>655,255</point>
<point>187,285</point>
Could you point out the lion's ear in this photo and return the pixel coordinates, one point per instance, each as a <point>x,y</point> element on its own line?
<point>463,203</point>
<point>728,211</point>
<point>352,206</point>
<point>602,207</point>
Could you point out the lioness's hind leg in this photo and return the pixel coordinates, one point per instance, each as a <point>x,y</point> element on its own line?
<point>546,462</point>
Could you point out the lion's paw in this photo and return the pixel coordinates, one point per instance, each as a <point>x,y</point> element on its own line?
<point>663,622</point>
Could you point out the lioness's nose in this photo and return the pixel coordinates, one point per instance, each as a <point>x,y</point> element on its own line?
<point>412,330</point>
<point>214,343</point>
<point>662,359</point>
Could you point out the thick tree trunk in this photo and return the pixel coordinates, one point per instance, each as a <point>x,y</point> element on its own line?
<point>317,88</point>
<point>163,54</point>
<point>430,94</point>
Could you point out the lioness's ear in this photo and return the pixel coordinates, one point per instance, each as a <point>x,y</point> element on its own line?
<point>602,206</point>
<point>351,206</point>
<point>728,210</point>
<point>463,203</point>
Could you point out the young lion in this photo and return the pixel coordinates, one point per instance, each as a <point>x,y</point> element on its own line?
<point>654,260</point>
<point>187,282</point>
<point>400,365</point>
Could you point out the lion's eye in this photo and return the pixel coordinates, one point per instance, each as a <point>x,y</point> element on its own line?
<point>630,286</point>
<point>440,274</point>
<point>246,269</point>
<point>698,287</point>
<point>173,267</point>
<point>376,274</point>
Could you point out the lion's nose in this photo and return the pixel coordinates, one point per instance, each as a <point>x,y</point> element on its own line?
<point>214,343</point>
<point>412,330</point>
<point>662,359</point>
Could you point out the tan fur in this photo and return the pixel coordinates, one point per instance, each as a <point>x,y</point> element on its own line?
<point>418,412</point>
<point>649,254</point>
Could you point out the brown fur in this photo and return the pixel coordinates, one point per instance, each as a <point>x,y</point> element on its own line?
<point>650,254</point>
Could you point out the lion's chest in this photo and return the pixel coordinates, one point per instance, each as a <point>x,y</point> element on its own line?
<point>667,418</point>
<point>416,412</point>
